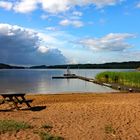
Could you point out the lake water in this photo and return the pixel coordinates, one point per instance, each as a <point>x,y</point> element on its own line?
<point>40,81</point>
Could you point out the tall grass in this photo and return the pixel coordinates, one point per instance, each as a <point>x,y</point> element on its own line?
<point>125,78</point>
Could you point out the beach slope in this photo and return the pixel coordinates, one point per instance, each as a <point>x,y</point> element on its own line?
<point>109,116</point>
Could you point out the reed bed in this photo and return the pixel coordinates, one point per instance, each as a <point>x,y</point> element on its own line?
<point>125,78</point>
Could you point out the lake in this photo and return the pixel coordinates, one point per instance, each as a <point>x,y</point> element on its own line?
<point>40,81</point>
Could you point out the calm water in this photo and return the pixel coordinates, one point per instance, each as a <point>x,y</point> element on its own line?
<point>40,81</point>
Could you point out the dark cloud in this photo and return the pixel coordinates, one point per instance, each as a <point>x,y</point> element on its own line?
<point>19,45</point>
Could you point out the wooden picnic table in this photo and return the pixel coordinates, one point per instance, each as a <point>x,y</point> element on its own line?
<point>16,98</point>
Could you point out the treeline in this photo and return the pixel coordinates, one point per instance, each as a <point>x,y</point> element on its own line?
<point>5,66</point>
<point>113,65</point>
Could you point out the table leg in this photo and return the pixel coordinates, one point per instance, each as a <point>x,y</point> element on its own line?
<point>15,104</point>
<point>23,98</point>
<point>19,101</point>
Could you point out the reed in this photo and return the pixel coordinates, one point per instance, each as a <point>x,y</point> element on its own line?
<point>125,78</point>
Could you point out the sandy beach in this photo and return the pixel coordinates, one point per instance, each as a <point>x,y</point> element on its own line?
<point>110,116</point>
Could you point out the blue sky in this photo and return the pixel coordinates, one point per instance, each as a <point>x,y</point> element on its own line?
<point>36,32</point>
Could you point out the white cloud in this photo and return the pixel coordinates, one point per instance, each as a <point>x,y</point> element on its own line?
<point>110,42</point>
<point>26,46</point>
<point>65,22</point>
<point>73,61</point>
<point>103,3</point>
<point>51,28</point>
<point>75,15</point>
<point>44,16</point>
<point>6,5</point>
<point>25,6</point>
<point>55,6</point>
<point>49,40</point>
<point>43,49</point>
<point>75,23</point>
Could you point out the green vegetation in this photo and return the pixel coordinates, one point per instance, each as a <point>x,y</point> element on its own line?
<point>6,66</point>
<point>109,129</point>
<point>47,126</point>
<point>11,125</point>
<point>131,79</point>
<point>113,65</point>
<point>46,136</point>
<point>14,126</point>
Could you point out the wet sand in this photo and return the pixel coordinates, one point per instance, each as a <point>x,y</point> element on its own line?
<point>111,116</point>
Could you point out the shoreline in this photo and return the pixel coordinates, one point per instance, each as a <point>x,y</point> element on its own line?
<point>80,93</point>
<point>73,93</point>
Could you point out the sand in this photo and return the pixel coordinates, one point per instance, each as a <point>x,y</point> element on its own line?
<point>79,117</point>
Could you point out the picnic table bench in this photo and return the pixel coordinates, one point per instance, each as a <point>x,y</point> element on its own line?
<point>16,98</point>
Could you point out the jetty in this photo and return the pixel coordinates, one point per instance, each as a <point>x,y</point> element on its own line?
<point>65,77</point>
<point>74,76</point>
<point>116,86</point>
<point>92,80</point>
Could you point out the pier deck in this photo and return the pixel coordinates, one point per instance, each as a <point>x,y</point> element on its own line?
<point>112,85</point>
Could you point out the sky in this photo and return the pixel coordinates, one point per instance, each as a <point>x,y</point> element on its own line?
<point>50,32</point>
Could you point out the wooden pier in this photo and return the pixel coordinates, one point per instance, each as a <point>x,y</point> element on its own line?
<point>74,76</point>
<point>112,85</point>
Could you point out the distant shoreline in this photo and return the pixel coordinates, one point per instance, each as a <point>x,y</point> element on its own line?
<point>112,65</point>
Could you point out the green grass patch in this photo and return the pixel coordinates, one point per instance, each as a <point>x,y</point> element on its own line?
<point>47,136</point>
<point>109,129</point>
<point>125,78</point>
<point>46,126</point>
<point>11,125</point>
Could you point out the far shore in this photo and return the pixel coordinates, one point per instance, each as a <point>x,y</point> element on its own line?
<point>76,116</point>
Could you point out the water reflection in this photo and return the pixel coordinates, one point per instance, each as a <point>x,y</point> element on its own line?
<point>40,81</point>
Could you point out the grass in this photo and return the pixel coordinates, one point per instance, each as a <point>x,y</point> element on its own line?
<point>14,126</point>
<point>47,136</point>
<point>11,125</point>
<point>47,126</point>
<point>109,129</point>
<point>131,79</point>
